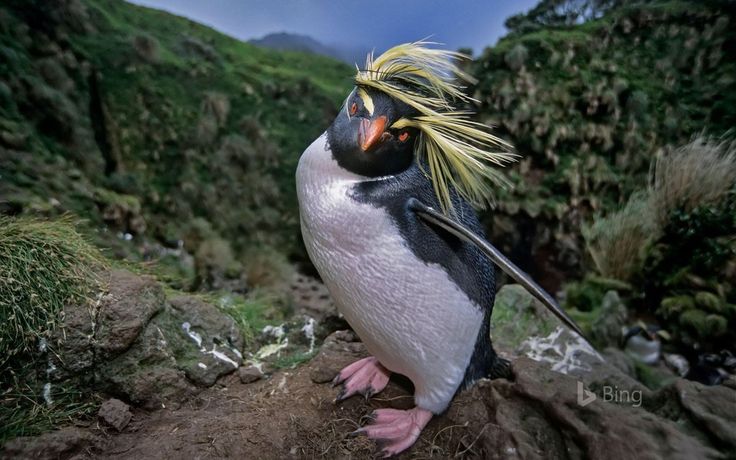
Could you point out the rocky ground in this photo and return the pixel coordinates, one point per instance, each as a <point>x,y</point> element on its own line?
<point>179,385</point>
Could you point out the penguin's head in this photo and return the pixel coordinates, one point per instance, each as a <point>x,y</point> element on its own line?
<point>407,105</point>
<point>367,138</point>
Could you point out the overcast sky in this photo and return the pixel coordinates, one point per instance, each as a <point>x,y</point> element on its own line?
<point>377,24</point>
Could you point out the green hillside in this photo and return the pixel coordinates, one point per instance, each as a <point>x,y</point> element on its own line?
<point>588,107</point>
<point>153,125</point>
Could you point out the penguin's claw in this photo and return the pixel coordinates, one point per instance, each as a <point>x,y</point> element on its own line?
<point>396,430</point>
<point>366,377</point>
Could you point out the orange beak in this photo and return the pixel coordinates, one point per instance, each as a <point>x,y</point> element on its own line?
<point>370,132</point>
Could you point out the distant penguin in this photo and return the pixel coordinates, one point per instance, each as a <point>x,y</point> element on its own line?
<point>385,200</point>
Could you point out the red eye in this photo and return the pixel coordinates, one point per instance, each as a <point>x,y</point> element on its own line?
<point>404,136</point>
<point>353,108</point>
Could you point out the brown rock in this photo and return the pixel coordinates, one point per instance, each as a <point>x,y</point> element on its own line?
<point>537,415</point>
<point>311,298</point>
<point>62,443</point>
<point>713,408</point>
<point>129,305</point>
<point>151,387</point>
<point>220,337</point>
<point>339,349</point>
<point>249,374</point>
<point>115,413</point>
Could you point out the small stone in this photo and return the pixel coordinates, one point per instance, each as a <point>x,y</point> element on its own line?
<point>322,374</point>
<point>115,413</point>
<point>249,374</point>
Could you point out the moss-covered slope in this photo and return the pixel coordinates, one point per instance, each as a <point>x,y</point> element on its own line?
<point>141,121</point>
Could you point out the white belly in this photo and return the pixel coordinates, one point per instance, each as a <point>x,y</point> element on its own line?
<point>409,314</point>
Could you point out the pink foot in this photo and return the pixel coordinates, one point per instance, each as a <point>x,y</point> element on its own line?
<point>366,377</point>
<point>396,430</point>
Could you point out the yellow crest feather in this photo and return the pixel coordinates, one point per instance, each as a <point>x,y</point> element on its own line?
<point>458,151</point>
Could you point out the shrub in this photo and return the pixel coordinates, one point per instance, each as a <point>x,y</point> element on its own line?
<point>215,265</point>
<point>146,47</point>
<point>195,232</point>
<point>214,111</point>
<point>216,105</point>
<point>617,242</point>
<point>197,48</point>
<point>206,131</point>
<point>235,150</point>
<point>516,57</point>
<point>267,268</point>
<point>692,177</point>
<point>675,241</point>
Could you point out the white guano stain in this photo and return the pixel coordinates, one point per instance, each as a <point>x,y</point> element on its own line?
<point>308,331</point>
<point>47,394</point>
<point>219,355</point>
<point>563,355</point>
<point>276,331</point>
<point>192,334</point>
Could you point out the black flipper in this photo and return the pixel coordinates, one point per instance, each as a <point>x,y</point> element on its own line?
<point>442,221</point>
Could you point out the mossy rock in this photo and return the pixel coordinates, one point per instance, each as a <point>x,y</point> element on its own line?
<point>608,319</point>
<point>517,315</point>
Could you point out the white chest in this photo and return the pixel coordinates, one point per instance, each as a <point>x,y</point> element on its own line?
<point>410,315</point>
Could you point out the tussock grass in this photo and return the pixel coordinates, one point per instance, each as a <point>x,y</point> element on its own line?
<point>617,242</point>
<point>44,265</point>
<point>699,173</point>
<point>266,267</point>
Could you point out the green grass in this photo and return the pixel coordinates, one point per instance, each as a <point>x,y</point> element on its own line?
<point>24,412</point>
<point>252,312</point>
<point>290,361</point>
<point>44,265</point>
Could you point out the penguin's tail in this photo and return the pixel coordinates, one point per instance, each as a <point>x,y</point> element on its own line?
<point>500,369</point>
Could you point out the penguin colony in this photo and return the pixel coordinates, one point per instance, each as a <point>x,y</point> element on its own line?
<point>386,200</point>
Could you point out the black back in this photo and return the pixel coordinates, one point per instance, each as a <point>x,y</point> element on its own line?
<point>465,264</point>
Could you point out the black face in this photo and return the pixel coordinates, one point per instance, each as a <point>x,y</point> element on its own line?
<point>365,143</point>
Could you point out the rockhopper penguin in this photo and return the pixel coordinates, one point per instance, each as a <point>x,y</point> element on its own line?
<point>385,199</point>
